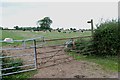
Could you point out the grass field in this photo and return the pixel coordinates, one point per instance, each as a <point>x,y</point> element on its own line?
<point>22,35</point>
<point>106,63</point>
<point>48,35</point>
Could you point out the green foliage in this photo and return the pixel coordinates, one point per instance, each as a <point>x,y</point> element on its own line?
<point>59,30</point>
<point>14,63</point>
<point>80,44</point>
<point>27,28</point>
<point>106,40</point>
<point>45,23</point>
<point>20,76</point>
<point>83,45</point>
<point>16,27</point>
<point>1,28</point>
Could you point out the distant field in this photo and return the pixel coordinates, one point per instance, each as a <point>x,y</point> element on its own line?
<point>108,64</point>
<point>16,35</point>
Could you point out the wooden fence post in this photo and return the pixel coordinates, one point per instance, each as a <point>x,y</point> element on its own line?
<point>73,42</point>
<point>0,67</point>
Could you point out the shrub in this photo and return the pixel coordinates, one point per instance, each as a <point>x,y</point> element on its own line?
<point>83,45</point>
<point>59,30</point>
<point>106,40</point>
<point>80,44</point>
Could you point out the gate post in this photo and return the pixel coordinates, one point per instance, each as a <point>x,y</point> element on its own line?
<point>35,54</point>
<point>0,67</point>
<point>73,44</point>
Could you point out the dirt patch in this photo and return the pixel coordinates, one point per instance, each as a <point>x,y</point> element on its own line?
<point>70,68</point>
<point>74,69</point>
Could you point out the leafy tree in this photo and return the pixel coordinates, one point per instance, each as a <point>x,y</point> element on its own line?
<point>23,29</point>
<point>1,28</point>
<point>71,29</point>
<point>57,29</point>
<point>74,29</point>
<point>16,27</point>
<point>44,23</point>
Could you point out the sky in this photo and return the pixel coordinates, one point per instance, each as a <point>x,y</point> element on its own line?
<point>63,14</point>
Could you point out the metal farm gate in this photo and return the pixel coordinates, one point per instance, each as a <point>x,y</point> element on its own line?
<point>18,56</point>
<point>53,51</point>
<point>31,54</point>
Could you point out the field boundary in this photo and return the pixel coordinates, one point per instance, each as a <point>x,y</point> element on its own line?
<point>35,47</point>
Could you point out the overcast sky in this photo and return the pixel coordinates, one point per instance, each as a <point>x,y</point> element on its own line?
<point>63,14</point>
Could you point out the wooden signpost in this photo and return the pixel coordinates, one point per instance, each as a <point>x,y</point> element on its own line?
<point>91,21</point>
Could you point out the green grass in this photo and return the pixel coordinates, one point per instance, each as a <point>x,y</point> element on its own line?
<point>48,35</point>
<point>21,35</point>
<point>108,63</point>
<point>15,63</point>
<point>20,76</point>
<point>11,34</point>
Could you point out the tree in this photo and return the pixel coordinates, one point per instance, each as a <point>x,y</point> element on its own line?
<point>16,27</point>
<point>1,28</point>
<point>74,29</point>
<point>44,23</point>
<point>71,29</point>
<point>23,29</point>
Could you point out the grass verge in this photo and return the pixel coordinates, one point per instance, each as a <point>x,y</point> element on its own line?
<point>106,63</point>
<point>20,76</point>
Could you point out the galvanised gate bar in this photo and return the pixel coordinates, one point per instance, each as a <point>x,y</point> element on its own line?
<point>31,54</point>
<point>18,56</point>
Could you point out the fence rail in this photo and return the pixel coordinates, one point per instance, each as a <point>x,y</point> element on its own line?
<point>14,53</point>
<point>32,45</point>
<point>47,40</point>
